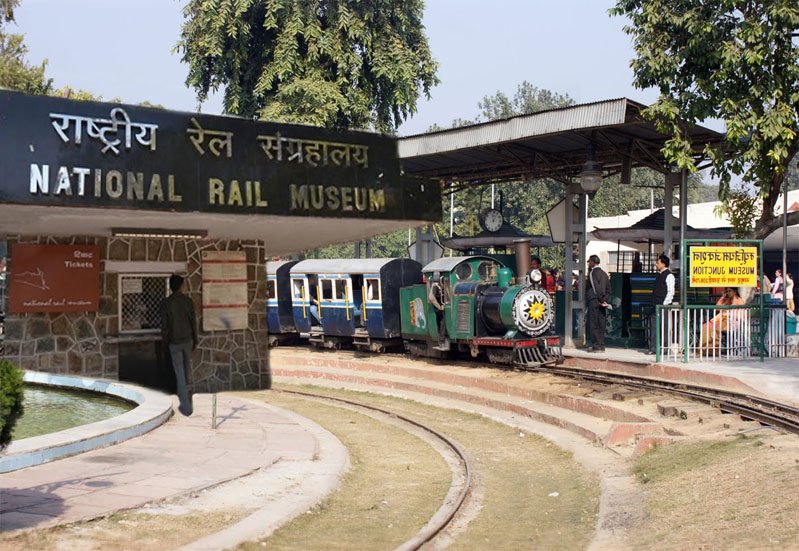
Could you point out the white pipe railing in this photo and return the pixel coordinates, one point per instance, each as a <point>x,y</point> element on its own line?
<point>720,333</point>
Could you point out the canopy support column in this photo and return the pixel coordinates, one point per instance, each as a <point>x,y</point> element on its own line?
<point>683,210</point>
<point>575,228</point>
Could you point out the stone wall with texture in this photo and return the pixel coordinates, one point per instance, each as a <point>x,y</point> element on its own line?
<point>85,343</point>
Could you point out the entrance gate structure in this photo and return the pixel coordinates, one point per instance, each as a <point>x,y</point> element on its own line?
<point>101,202</point>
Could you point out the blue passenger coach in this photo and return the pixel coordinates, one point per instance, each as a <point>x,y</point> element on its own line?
<point>351,300</point>
<point>279,317</point>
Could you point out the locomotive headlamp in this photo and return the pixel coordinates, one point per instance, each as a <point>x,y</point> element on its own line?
<point>535,276</point>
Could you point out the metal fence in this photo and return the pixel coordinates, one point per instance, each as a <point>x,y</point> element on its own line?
<point>716,333</point>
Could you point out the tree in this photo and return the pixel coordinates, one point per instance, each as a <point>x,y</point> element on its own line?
<point>527,99</point>
<point>341,63</point>
<point>15,72</point>
<point>736,60</point>
<point>12,394</point>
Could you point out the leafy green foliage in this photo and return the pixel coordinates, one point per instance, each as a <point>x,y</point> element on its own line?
<point>741,208</point>
<point>7,9</point>
<point>11,396</point>
<point>736,60</point>
<point>342,63</point>
<point>527,99</point>
<point>15,72</point>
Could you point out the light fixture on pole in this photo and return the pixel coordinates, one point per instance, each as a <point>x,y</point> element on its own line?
<point>591,173</point>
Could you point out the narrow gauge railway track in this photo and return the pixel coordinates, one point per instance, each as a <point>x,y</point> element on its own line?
<point>452,504</point>
<point>763,410</point>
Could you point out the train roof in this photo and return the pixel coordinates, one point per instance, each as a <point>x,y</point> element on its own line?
<point>344,265</point>
<point>274,265</point>
<point>448,263</point>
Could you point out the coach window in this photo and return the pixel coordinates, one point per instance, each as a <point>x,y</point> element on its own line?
<point>327,289</point>
<point>271,288</point>
<point>340,290</point>
<point>296,289</point>
<point>373,289</point>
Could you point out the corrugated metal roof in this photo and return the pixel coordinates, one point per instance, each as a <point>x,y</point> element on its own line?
<point>341,265</point>
<point>448,263</point>
<point>577,117</point>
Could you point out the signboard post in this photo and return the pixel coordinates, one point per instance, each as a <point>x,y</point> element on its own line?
<point>225,304</point>
<point>737,263</point>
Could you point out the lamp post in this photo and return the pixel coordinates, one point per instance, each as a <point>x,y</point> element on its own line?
<point>590,181</point>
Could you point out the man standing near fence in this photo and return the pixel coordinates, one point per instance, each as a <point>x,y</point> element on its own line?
<point>179,332</point>
<point>662,294</point>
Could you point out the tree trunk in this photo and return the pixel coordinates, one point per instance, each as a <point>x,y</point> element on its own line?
<point>766,226</point>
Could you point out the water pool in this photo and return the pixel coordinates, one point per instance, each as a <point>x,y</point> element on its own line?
<point>51,409</point>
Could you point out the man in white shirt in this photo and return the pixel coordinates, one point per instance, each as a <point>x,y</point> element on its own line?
<point>662,294</point>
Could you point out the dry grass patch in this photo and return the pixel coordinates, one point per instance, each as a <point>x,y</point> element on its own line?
<point>533,495</point>
<point>119,531</point>
<point>741,493</point>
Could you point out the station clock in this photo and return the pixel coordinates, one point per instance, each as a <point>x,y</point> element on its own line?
<point>492,220</point>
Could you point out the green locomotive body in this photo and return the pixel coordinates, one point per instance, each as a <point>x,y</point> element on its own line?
<point>469,304</point>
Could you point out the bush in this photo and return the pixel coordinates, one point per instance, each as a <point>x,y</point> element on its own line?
<point>11,394</point>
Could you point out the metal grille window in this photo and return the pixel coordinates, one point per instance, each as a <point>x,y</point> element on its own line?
<point>140,297</point>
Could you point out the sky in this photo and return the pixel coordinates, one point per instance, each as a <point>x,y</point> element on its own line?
<point>123,49</point>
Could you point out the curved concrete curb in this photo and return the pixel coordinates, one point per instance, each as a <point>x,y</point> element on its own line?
<point>307,483</point>
<point>154,408</point>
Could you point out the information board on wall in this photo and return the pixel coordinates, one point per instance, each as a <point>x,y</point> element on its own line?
<point>225,304</point>
<point>723,267</point>
<point>54,278</point>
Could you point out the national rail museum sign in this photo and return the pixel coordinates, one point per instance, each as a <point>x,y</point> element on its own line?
<point>61,152</point>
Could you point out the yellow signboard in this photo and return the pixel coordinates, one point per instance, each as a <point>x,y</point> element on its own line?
<point>723,267</point>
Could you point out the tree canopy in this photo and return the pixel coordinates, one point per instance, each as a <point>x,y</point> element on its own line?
<point>735,60</point>
<point>342,63</point>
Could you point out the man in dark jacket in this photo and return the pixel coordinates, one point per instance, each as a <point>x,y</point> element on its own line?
<point>179,333</point>
<point>597,296</point>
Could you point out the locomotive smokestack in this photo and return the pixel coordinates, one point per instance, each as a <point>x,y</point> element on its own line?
<point>522,247</point>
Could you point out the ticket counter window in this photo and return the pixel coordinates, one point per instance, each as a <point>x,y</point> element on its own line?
<point>140,297</point>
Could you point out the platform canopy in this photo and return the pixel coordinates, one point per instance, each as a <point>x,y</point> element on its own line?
<point>75,168</point>
<point>547,144</point>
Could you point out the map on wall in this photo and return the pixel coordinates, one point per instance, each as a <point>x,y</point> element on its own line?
<point>225,303</point>
<point>54,278</point>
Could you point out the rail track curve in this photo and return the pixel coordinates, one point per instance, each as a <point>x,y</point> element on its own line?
<point>459,491</point>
